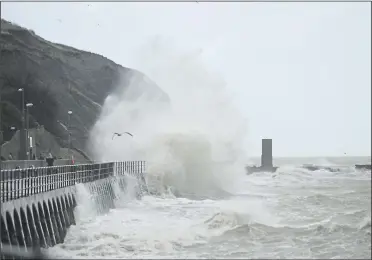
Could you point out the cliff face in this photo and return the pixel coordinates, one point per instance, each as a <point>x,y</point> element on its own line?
<point>56,79</point>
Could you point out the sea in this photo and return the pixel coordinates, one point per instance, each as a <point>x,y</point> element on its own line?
<point>292,213</point>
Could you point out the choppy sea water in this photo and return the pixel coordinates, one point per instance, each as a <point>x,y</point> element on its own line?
<point>293,213</point>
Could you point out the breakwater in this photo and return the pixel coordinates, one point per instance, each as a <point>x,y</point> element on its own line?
<point>38,203</point>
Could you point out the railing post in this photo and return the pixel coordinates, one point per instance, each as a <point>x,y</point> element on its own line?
<point>64,176</point>
<point>134,168</point>
<point>32,181</point>
<point>2,185</point>
<point>90,172</point>
<point>86,169</point>
<point>54,176</point>
<point>8,184</point>
<point>69,170</point>
<point>18,183</point>
<point>40,179</point>
<point>60,174</point>
<point>73,174</point>
<point>78,172</point>
<point>78,175</point>
<point>49,178</point>
<point>43,173</point>
<point>85,173</point>
<point>14,185</point>
<point>86,176</point>
<point>111,167</point>
<point>82,168</point>
<point>27,183</point>
<point>102,170</point>
<point>94,171</point>
<point>36,180</point>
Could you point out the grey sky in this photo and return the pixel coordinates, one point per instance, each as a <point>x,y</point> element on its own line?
<point>300,72</point>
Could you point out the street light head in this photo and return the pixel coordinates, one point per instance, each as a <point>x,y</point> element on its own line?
<point>69,112</point>
<point>20,89</point>
<point>12,128</point>
<point>29,105</point>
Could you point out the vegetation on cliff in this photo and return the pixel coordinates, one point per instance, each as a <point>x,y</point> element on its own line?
<point>56,79</point>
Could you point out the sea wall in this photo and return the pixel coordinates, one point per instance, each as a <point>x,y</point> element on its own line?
<point>38,204</point>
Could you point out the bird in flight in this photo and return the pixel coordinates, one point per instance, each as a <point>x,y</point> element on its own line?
<point>120,134</point>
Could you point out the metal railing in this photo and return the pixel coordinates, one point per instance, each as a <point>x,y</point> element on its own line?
<point>134,168</point>
<point>19,183</point>
<point>13,164</point>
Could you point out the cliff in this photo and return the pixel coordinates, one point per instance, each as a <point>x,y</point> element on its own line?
<point>58,78</point>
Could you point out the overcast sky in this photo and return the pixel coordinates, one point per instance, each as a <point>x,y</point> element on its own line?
<point>299,72</point>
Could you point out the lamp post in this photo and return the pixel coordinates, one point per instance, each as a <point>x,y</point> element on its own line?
<point>22,148</point>
<point>69,133</point>
<point>28,105</point>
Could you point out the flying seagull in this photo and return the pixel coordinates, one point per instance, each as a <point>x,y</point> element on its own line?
<point>120,134</point>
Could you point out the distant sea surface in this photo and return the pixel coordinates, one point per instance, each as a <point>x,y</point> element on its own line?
<point>320,161</point>
<point>293,213</point>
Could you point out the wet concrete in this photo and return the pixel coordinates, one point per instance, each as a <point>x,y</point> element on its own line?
<point>42,220</point>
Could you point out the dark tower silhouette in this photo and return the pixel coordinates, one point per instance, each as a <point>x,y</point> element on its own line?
<point>266,159</point>
<point>267,154</point>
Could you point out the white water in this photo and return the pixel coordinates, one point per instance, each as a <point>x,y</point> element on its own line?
<point>292,214</point>
<point>195,144</point>
<point>205,205</point>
